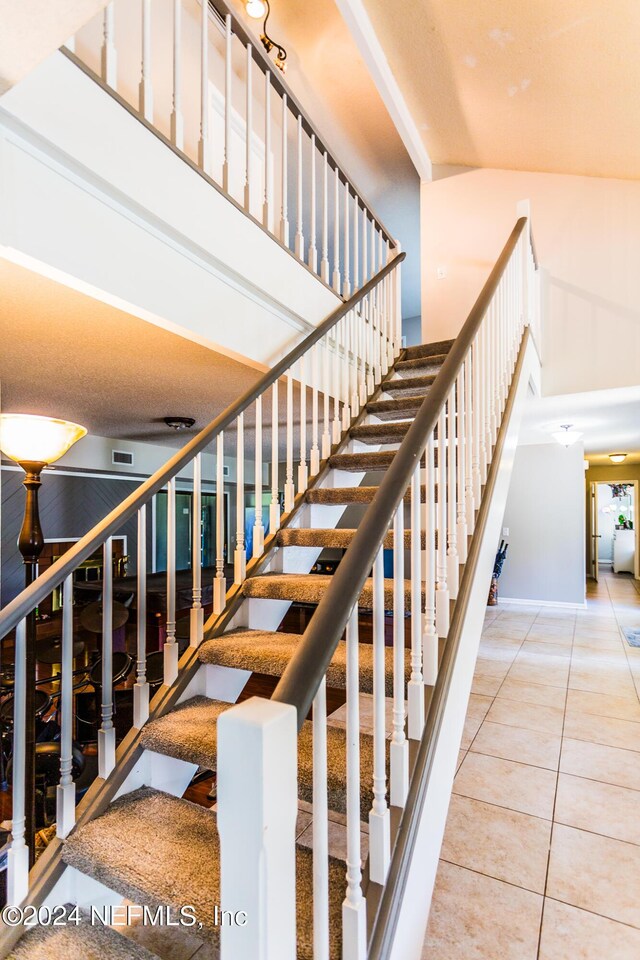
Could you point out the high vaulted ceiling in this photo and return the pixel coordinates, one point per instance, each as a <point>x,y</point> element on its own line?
<point>535,85</point>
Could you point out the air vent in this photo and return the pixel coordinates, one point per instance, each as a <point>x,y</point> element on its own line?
<point>122,458</point>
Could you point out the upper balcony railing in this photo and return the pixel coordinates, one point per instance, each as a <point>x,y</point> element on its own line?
<point>195,77</point>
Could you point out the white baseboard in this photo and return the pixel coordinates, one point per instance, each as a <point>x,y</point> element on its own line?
<point>543,603</point>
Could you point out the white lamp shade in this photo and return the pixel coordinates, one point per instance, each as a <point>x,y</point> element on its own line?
<point>256,9</point>
<point>567,437</point>
<point>27,438</point>
<point>617,457</point>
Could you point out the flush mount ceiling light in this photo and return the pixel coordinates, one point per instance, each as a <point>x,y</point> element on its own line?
<point>179,423</point>
<point>257,9</point>
<point>566,436</point>
<point>617,457</point>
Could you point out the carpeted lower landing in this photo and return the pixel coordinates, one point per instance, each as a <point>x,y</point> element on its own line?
<point>82,942</point>
<point>155,849</point>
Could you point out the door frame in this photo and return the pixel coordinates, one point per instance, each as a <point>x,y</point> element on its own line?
<point>593,521</point>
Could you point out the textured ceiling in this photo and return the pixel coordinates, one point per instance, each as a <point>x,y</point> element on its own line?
<point>608,419</point>
<point>67,355</point>
<point>542,86</point>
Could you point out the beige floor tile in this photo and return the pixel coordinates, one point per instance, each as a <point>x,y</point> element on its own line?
<point>595,873</point>
<point>337,840</point>
<point>556,676</point>
<point>603,705</point>
<point>505,632</point>
<point>532,693</point>
<point>500,843</point>
<point>582,640</point>
<point>597,762</point>
<point>532,716</point>
<point>515,743</point>
<point>546,648</point>
<point>471,727</point>
<point>554,640</point>
<point>166,943</point>
<point>486,686</point>
<point>478,918</point>
<point>499,650</point>
<point>600,807</point>
<point>517,786</point>
<point>606,730</point>
<point>572,934</point>
<point>478,705</point>
<point>595,656</point>
<point>612,679</point>
<point>491,668</point>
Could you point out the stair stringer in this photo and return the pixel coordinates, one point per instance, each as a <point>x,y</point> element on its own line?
<point>409,920</point>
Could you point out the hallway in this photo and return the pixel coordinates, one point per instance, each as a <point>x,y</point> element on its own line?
<point>541,856</point>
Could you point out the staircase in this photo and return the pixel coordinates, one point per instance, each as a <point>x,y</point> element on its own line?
<point>416,467</point>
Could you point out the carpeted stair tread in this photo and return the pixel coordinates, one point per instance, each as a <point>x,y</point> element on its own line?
<point>432,363</point>
<point>440,347</point>
<point>348,495</point>
<point>188,732</point>
<point>409,386</point>
<point>362,462</point>
<point>329,539</point>
<point>262,651</point>
<point>380,432</point>
<point>83,941</point>
<point>311,587</point>
<point>396,409</point>
<point>180,863</point>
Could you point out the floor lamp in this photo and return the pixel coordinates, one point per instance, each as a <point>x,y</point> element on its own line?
<point>33,443</point>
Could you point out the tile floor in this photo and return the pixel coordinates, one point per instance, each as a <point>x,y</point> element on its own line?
<point>541,856</point>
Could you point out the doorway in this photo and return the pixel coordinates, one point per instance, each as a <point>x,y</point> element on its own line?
<point>615,547</point>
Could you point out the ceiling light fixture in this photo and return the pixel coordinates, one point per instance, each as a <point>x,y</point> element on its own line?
<point>565,436</point>
<point>179,423</point>
<point>617,457</point>
<point>257,9</point>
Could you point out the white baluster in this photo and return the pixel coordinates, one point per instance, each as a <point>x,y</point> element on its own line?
<point>336,231</point>
<point>177,122</point>
<point>289,488</point>
<point>356,244</point>
<point>346,410</point>
<point>337,366</point>
<point>368,310</point>
<point>482,392</point>
<point>354,917</point>
<point>462,463</point>
<point>365,255</point>
<point>430,636</point>
<point>146,89</point>
<point>476,414</point>
<point>326,435</point>
<point>303,472</point>
<point>141,687</point>
<point>107,733</point>
<point>284,219</point>
<point>313,252</point>
<point>170,644</point>
<point>379,820</point>
<point>320,827</point>
<point>109,56</point>
<point>266,207</point>
<point>66,789</point>
<point>353,342</point>
<point>219,583</point>
<point>453,563</point>
<point>248,130</point>
<point>416,685</point>
<point>324,263</point>
<point>399,748</point>
<point>346,284</point>
<point>442,590</point>
<point>274,506</point>
<point>258,527</point>
<point>228,102</point>
<point>299,241</point>
<point>314,457</point>
<point>468,444</point>
<point>18,857</point>
<point>204,144</point>
<point>197,610</point>
<point>240,559</point>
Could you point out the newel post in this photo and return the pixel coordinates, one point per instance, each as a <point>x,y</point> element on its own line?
<point>257,810</point>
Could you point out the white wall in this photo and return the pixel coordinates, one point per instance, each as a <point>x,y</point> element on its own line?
<point>545,515</point>
<point>587,234</point>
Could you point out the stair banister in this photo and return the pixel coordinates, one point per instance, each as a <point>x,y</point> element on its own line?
<point>21,605</point>
<point>299,683</point>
